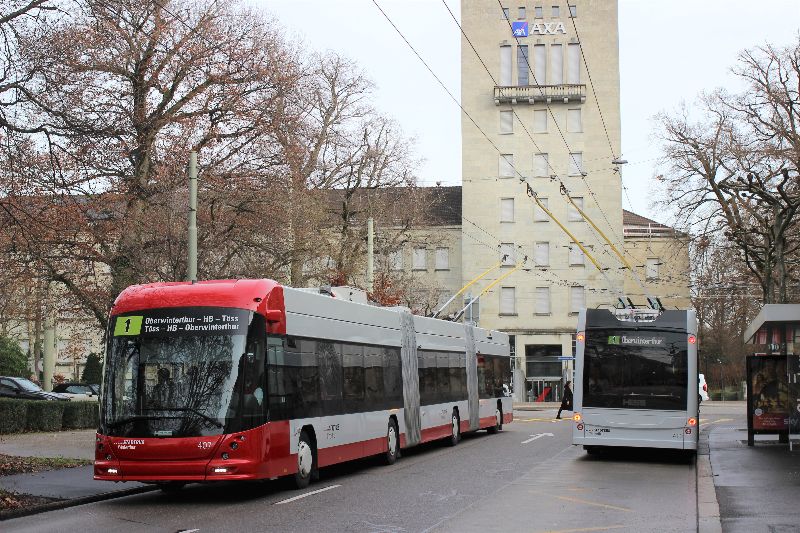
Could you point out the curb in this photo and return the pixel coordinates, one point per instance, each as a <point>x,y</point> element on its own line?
<point>63,504</point>
<point>708,518</point>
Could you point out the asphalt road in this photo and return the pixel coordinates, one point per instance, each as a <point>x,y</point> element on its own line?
<point>527,478</point>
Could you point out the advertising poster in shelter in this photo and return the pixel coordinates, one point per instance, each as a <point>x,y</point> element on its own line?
<point>768,397</point>
<point>794,396</point>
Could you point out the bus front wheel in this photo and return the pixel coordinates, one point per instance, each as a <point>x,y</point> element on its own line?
<point>455,434</point>
<point>392,444</point>
<point>305,461</point>
<point>498,422</point>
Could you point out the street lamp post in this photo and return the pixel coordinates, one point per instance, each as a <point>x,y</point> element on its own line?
<point>722,377</point>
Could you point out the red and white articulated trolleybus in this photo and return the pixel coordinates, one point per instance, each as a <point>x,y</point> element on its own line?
<point>248,379</point>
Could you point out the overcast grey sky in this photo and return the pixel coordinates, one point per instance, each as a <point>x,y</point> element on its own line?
<point>670,51</point>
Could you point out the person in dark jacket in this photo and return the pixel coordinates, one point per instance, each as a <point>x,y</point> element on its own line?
<point>566,402</point>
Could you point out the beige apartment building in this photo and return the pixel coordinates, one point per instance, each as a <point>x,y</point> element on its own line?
<point>544,129</point>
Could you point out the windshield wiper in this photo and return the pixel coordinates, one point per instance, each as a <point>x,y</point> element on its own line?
<point>191,410</point>
<point>121,421</point>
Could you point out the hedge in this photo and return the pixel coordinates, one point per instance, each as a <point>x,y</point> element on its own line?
<point>17,416</point>
<point>79,415</point>
<point>12,415</point>
<point>44,415</point>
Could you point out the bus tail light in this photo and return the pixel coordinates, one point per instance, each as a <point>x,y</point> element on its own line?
<point>692,421</point>
<point>692,339</point>
<point>581,336</point>
<point>577,417</point>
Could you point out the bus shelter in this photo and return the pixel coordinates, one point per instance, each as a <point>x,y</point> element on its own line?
<point>773,373</point>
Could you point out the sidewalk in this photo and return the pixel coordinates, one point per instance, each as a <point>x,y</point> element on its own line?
<point>74,486</point>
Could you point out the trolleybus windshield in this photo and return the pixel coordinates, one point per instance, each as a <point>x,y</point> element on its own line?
<point>183,372</point>
<point>635,369</point>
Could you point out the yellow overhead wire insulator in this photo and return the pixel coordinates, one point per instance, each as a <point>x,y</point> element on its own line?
<point>625,262</point>
<point>598,230</point>
<point>468,285</point>
<point>600,269</point>
<point>492,284</point>
<point>535,197</point>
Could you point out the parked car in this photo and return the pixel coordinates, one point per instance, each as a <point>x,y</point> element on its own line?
<point>78,391</point>
<point>25,389</point>
<point>702,387</point>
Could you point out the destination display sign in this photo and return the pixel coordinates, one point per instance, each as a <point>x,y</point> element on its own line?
<point>183,321</point>
<point>635,341</point>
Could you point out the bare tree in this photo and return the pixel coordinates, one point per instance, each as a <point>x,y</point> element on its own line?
<point>124,89</point>
<point>734,171</point>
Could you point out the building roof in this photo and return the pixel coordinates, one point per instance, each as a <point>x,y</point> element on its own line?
<point>634,225</point>
<point>632,219</point>
<point>426,206</point>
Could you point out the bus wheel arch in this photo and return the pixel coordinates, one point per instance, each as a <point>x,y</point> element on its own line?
<point>306,458</point>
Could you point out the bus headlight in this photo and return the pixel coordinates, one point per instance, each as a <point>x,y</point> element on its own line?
<point>692,421</point>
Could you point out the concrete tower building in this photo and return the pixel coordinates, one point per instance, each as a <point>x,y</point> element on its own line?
<point>546,124</point>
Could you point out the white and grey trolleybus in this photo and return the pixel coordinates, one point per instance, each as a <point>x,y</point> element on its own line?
<point>636,379</point>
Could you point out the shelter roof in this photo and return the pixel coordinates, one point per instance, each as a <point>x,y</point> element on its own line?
<point>772,314</point>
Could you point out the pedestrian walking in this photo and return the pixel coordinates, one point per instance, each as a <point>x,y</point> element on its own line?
<point>566,402</point>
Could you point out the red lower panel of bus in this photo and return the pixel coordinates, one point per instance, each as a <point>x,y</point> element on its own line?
<point>348,452</point>
<point>258,453</point>
<point>436,432</point>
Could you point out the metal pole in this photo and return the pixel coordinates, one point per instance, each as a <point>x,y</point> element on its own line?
<point>370,256</point>
<point>191,269</point>
<point>50,346</point>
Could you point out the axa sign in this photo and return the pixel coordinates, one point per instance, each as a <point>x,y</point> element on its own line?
<point>519,28</point>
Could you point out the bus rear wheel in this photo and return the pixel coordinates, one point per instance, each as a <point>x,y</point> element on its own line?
<point>455,433</point>
<point>498,422</point>
<point>392,444</point>
<point>305,461</point>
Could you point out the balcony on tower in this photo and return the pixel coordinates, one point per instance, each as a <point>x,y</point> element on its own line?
<point>532,94</point>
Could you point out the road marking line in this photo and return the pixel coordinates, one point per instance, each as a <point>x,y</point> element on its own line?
<point>599,528</point>
<point>537,436</point>
<point>289,500</point>
<point>586,502</point>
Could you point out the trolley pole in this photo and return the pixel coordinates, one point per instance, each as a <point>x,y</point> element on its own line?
<point>191,269</point>
<point>370,255</point>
